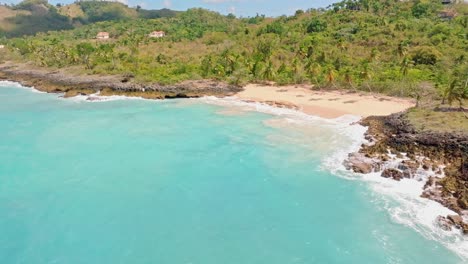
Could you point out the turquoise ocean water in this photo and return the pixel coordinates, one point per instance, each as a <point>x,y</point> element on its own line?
<point>191,182</point>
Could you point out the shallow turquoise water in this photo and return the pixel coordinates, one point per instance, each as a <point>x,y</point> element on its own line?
<point>135,181</point>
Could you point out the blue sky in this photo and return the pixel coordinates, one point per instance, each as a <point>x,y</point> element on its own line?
<point>238,7</point>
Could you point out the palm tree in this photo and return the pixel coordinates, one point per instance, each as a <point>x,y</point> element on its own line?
<point>219,69</point>
<point>313,70</point>
<point>331,76</point>
<point>105,51</point>
<point>255,67</point>
<point>456,91</point>
<point>366,75</point>
<point>269,72</point>
<point>322,58</point>
<point>229,61</point>
<point>206,66</point>
<point>348,77</point>
<point>402,49</point>
<point>295,66</point>
<point>405,65</point>
<point>85,50</point>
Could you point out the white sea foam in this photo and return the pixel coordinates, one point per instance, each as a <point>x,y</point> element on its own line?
<point>96,98</point>
<point>415,212</point>
<point>34,90</point>
<point>290,114</point>
<point>10,84</point>
<point>401,198</point>
<point>79,98</point>
<point>18,85</point>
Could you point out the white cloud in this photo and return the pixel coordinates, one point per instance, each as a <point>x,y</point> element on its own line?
<point>232,10</point>
<point>143,4</point>
<point>219,1</point>
<point>167,3</point>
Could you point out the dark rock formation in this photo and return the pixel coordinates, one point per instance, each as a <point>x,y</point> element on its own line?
<point>359,163</point>
<point>444,223</point>
<point>458,223</point>
<point>72,85</point>
<point>392,173</point>
<point>424,151</point>
<point>409,168</point>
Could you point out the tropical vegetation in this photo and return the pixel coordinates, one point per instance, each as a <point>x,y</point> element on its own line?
<point>404,48</point>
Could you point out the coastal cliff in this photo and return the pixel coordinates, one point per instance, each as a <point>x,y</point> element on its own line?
<point>398,150</point>
<point>72,85</point>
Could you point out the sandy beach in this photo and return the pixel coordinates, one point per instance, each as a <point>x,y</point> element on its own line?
<point>327,104</point>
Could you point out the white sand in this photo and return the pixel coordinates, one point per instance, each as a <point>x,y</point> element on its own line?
<point>328,104</point>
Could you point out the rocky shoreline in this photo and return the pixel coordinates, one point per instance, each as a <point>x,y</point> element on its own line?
<point>397,151</point>
<point>72,85</point>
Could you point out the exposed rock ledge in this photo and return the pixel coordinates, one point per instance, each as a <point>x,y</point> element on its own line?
<point>72,85</point>
<point>396,150</point>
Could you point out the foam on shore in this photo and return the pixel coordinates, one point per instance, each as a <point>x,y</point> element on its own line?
<point>293,115</point>
<point>96,98</point>
<point>401,199</point>
<point>18,85</point>
<point>11,84</point>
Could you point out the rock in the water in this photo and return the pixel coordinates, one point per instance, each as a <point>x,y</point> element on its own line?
<point>408,167</point>
<point>430,182</point>
<point>358,163</point>
<point>444,223</point>
<point>451,203</point>
<point>458,223</point>
<point>93,98</point>
<point>456,219</point>
<point>438,153</point>
<point>362,168</point>
<point>393,173</point>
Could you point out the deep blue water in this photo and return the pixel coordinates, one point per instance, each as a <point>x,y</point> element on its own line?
<point>171,182</point>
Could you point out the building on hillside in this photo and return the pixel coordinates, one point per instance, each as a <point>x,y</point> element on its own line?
<point>157,34</point>
<point>103,35</point>
<point>448,2</point>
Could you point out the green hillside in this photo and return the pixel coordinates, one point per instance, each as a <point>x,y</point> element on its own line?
<point>6,14</point>
<point>411,48</point>
<point>32,16</point>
